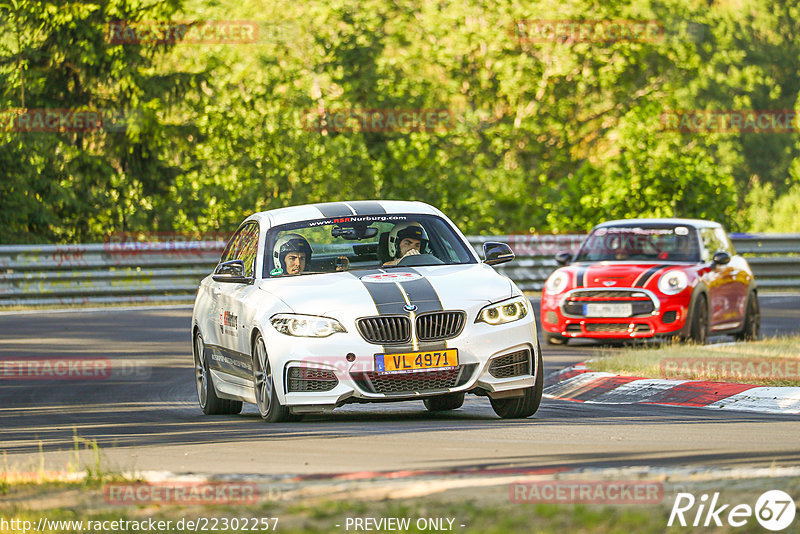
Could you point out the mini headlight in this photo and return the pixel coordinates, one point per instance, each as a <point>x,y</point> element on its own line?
<point>673,282</point>
<point>504,312</point>
<point>557,282</point>
<point>306,325</point>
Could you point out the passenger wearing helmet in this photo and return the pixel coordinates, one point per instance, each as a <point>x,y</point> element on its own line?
<point>406,239</point>
<point>290,254</point>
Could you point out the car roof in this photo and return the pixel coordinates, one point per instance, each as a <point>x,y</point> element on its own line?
<point>694,223</point>
<point>342,209</point>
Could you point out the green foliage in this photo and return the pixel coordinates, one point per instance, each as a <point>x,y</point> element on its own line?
<point>545,136</point>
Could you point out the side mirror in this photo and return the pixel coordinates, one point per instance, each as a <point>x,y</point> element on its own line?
<point>496,253</point>
<point>721,258</point>
<point>231,271</point>
<point>563,258</point>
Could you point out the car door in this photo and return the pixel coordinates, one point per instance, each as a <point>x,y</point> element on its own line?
<point>718,279</point>
<point>736,283</point>
<point>233,358</point>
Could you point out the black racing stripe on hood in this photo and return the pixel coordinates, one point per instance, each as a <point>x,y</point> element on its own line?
<point>580,273</point>
<point>334,209</point>
<point>422,294</point>
<point>648,274</point>
<point>366,207</point>
<point>388,298</point>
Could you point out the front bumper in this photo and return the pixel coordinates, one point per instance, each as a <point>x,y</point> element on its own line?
<point>667,315</point>
<point>479,346</point>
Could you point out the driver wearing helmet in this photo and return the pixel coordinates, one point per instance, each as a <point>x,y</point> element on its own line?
<point>406,239</point>
<point>291,254</point>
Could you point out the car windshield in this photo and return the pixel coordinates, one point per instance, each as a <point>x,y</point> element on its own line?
<point>362,242</point>
<point>641,243</point>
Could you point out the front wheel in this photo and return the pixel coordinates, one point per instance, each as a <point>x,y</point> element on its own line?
<point>751,330</point>
<point>206,394</point>
<point>528,403</point>
<point>269,406</point>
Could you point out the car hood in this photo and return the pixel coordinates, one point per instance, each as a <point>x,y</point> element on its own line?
<point>362,292</point>
<point>617,274</point>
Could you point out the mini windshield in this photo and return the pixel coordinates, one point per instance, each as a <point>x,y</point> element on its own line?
<point>641,243</point>
<point>362,242</point>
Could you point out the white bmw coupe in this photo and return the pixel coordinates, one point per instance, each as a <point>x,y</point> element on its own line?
<point>312,307</point>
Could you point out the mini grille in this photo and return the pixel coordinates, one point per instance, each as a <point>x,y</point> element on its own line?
<point>607,327</point>
<point>573,328</point>
<point>385,330</point>
<point>514,364</point>
<point>440,325</point>
<point>302,379</point>
<point>616,327</point>
<point>609,294</point>
<point>414,382</point>
<point>638,307</point>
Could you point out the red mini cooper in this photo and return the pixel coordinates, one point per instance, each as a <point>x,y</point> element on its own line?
<point>640,278</point>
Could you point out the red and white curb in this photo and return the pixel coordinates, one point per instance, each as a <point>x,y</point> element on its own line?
<point>579,384</point>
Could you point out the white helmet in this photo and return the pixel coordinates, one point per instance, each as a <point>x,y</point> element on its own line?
<point>289,243</point>
<point>414,230</point>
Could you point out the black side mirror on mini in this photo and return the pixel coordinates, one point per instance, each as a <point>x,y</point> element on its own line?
<point>721,258</point>
<point>563,258</point>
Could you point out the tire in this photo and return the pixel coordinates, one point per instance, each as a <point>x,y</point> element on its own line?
<point>555,339</point>
<point>698,329</point>
<point>206,394</point>
<point>751,330</point>
<point>525,406</point>
<point>269,407</point>
<point>441,403</point>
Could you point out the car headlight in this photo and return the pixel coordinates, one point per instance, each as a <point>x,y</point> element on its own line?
<point>673,282</point>
<point>557,282</point>
<point>306,325</point>
<point>504,312</point>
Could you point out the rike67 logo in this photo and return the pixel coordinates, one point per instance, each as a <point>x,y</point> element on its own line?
<point>774,510</point>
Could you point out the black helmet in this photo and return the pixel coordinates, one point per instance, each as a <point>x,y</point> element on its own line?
<point>289,243</point>
<point>413,230</point>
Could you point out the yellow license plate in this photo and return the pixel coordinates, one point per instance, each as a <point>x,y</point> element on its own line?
<point>413,361</point>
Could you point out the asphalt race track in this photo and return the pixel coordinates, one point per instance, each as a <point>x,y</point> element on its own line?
<point>145,416</point>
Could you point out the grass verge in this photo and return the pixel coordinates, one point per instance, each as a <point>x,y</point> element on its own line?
<point>768,362</point>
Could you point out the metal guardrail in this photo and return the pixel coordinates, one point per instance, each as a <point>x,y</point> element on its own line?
<point>136,272</point>
<point>128,272</point>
